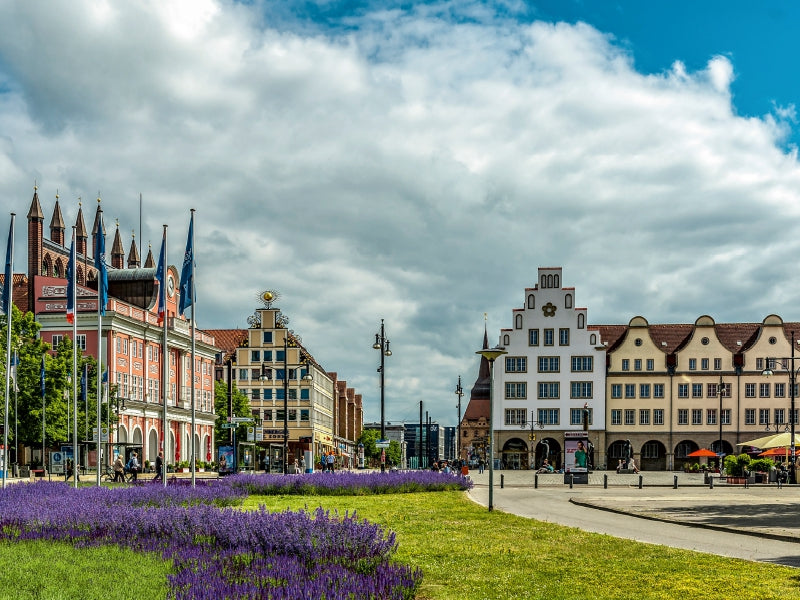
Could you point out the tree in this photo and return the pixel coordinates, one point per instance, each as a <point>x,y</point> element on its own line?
<point>241,408</point>
<point>369,438</point>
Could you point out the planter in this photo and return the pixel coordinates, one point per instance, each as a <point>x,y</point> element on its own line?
<point>736,480</point>
<point>184,469</point>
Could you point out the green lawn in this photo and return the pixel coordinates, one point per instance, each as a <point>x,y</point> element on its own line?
<point>467,552</point>
<point>464,551</point>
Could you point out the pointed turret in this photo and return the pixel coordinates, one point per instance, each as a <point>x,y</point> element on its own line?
<point>81,236</point>
<point>98,225</point>
<point>57,226</point>
<point>133,255</point>
<point>149,263</point>
<point>117,252</point>
<point>35,245</point>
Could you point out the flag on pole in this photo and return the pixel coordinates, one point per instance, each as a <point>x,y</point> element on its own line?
<point>187,275</point>
<point>102,271</point>
<point>8,275</point>
<point>84,374</point>
<point>71,282</point>
<point>41,377</point>
<point>161,278</point>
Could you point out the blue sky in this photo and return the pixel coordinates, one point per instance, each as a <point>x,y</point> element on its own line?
<point>417,162</point>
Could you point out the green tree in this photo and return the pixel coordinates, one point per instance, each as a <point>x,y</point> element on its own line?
<point>241,408</point>
<point>394,453</point>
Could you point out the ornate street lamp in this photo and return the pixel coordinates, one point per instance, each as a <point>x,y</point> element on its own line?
<point>792,383</point>
<point>491,354</point>
<point>532,424</point>
<point>459,393</point>
<point>382,344</point>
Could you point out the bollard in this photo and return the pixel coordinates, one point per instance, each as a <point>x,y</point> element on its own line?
<point>535,481</point>
<point>675,482</point>
<point>711,483</point>
<point>502,480</point>
<point>571,478</point>
<point>640,481</point>
<point>605,482</point>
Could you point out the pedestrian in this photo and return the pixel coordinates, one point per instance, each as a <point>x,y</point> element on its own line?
<point>331,459</point>
<point>119,470</point>
<point>632,465</point>
<point>481,465</point>
<point>159,468</point>
<point>133,466</point>
<point>620,466</point>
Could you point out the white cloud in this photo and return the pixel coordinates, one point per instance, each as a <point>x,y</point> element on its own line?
<point>413,167</point>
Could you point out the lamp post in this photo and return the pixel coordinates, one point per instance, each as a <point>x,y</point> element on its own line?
<point>533,424</point>
<point>721,393</point>
<point>792,379</point>
<point>382,344</point>
<point>459,393</point>
<point>491,355</point>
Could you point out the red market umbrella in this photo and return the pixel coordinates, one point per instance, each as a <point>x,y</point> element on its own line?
<point>779,452</point>
<point>703,452</point>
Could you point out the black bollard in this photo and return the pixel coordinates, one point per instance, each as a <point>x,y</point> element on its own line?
<point>535,481</point>
<point>711,483</point>
<point>502,478</point>
<point>640,481</point>
<point>675,482</point>
<point>571,478</point>
<point>605,482</point>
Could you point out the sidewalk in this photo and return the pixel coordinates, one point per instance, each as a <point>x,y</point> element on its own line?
<point>763,510</point>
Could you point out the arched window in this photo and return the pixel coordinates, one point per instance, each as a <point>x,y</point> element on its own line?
<point>45,268</point>
<point>568,301</point>
<point>549,281</point>
<point>531,301</point>
<point>80,277</point>
<point>506,340</point>
<point>544,281</point>
<point>58,271</point>
<point>518,322</point>
<point>556,283</point>
<point>581,321</point>
<point>593,339</point>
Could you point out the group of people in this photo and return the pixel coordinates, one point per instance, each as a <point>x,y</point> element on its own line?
<point>327,461</point>
<point>133,467</point>
<point>630,465</point>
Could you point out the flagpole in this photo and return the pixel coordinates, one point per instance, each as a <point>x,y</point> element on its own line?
<point>44,407</point>
<point>164,362</point>
<point>102,297</point>
<point>194,319</point>
<point>74,363</point>
<point>8,306</point>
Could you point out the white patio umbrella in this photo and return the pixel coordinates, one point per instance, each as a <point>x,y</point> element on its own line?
<point>775,440</point>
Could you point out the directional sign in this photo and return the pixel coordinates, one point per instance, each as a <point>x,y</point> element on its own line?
<point>382,444</point>
<point>229,425</point>
<point>241,419</point>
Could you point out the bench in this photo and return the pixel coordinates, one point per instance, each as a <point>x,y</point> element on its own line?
<point>37,473</point>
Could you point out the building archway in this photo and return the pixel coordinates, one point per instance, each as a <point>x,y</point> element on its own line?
<point>682,451</point>
<point>653,456</point>
<point>550,449</point>
<point>619,450</point>
<point>152,445</point>
<point>514,454</point>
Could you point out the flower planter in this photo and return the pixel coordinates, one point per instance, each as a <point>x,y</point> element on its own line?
<point>736,480</point>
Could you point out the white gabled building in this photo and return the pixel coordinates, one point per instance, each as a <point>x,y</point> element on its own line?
<point>554,370</point>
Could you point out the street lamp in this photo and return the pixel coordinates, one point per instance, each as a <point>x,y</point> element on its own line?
<point>792,378</point>
<point>459,393</point>
<point>533,424</point>
<point>382,344</point>
<point>721,393</point>
<point>491,354</point>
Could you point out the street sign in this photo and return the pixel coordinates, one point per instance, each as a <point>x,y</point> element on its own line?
<point>229,425</point>
<point>382,444</point>
<point>241,419</point>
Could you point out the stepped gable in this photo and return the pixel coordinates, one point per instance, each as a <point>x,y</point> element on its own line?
<point>228,340</point>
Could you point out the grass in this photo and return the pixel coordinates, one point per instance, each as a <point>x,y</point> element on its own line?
<point>467,552</point>
<point>45,570</point>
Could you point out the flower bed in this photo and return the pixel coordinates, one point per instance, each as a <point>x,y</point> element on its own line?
<point>218,552</point>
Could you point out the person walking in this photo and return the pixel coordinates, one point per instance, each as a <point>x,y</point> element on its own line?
<point>330,460</point>
<point>133,466</point>
<point>119,470</point>
<point>159,468</point>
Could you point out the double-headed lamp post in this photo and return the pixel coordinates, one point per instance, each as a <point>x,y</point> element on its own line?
<point>792,379</point>
<point>382,344</point>
<point>491,355</point>
<point>720,393</point>
<point>459,393</point>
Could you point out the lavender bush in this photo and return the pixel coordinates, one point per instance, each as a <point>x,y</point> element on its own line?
<point>218,551</point>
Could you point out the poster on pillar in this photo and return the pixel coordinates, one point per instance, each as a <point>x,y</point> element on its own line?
<point>576,455</point>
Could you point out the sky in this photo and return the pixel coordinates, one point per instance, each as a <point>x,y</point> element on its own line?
<point>418,161</point>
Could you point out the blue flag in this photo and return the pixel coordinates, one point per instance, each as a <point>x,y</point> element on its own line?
<point>160,277</point>
<point>187,276</point>
<point>71,282</point>
<point>84,375</point>
<point>102,271</point>
<point>7,284</point>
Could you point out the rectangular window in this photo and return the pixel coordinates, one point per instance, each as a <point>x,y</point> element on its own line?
<point>533,337</point>
<point>548,389</point>
<point>255,374</point>
<point>651,364</point>
<point>267,337</point>
<point>726,416</point>
<point>548,337</point>
<point>516,390</point>
<point>304,414</point>
<point>704,364</point>
<point>125,346</point>
<point>582,364</point>
<point>626,364</point>
<point>581,389</point>
<point>515,416</point>
<point>305,394</point>
<point>548,416</point>
<point>279,414</point>
<point>749,416</point>
<point>763,416</point>
<point>760,364</point>
<point>697,390</point>
<point>780,390</point>
<point>683,390</point>
<point>516,364</point>
<point>658,416</point>
<point>779,416</point>
<point>683,416</point>
<point>644,390</point>
<point>616,390</point>
<point>718,364</point>
<point>268,394</point>
<point>292,393</point>
<point>712,390</point>
<point>243,374</point>
<point>630,390</point>
<point>637,364</point>
<point>692,364</point>
<point>616,416</point>
<point>644,416</point>
<point>763,390</point>
<point>576,416</point>
<point>279,374</point>
<point>711,416</point>
<point>57,339</point>
<point>563,336</point>
<point>697,416</point>
<point>749,390</point>
<point>658,390</point>
<point>267,355</point>
<point>549,364</point>
<point>255,356</point>
<point>81,342</point>
<point>630,416</point>
<point>293,414</point>
<point>279,394</point>
<point>255,394</point>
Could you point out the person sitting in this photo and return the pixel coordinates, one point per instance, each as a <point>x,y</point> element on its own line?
<point>546,467</point>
